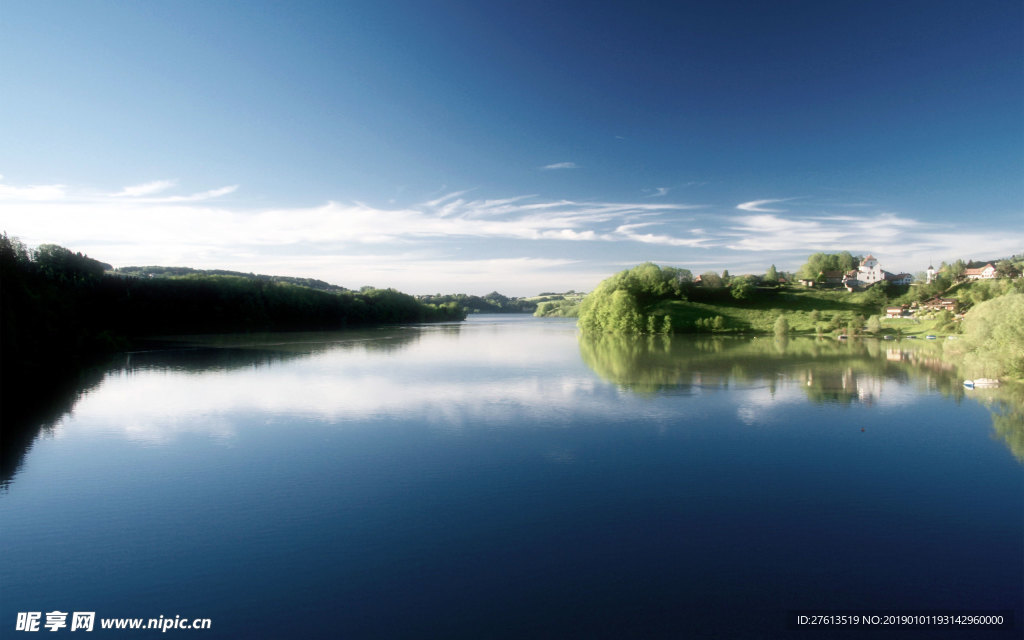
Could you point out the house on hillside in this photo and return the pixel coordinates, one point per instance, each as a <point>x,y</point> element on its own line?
<point>869,272</point>
<point>833,278</point>
<point>986,271</point>
<point>899,278</point>
<point>896,311</point>
<point>939,304</point>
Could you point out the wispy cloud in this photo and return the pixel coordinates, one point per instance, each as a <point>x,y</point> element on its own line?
<point>628,231</point>
<point>146,189</point>
<point>34,192</point>
<point>758,205</point>
<point>658,192</point>
<point>195,225</point>
<point>816,233</point>
<point>561,165</point>
<point>204,195</point>
<point>429,242</point>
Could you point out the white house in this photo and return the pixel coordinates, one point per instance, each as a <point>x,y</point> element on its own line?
<point>869,272</point>
<point>984,272</point>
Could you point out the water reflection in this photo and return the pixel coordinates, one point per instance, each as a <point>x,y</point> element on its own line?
<point>867,372</point>
<point>460,376</point>
<point>31,411</point>
<point>214,386</point>
<point>341,473</point>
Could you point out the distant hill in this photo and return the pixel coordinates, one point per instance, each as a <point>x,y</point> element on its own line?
<point>493,302</point>
<point>558,305</point>
<point>172,272</point>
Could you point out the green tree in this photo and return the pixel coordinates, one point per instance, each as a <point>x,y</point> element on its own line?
<point>874,325</point>
<point>63,264</point>
<point>741,288</point>
<point>993,340</point>
<point>781,327</point>
<point>620,302</point>
<point>771,276</point>
<point>711,280</point>
<point>846,262</point>
<point>1006,269</point>
<point>877,294</point>
<point>819,262</point>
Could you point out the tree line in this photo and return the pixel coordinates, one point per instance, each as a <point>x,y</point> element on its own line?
<point>493,302</point>
<point>59,304</point>
<point>173,272</point>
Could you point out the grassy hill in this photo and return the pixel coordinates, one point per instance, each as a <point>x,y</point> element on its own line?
<point>805,310</point>
<point>557,305</point>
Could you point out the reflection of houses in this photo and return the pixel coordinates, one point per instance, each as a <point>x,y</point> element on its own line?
<point>895,354</point>
<point>979,271</point>
<point>843,387</point>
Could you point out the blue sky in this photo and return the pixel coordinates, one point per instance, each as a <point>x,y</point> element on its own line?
<point>518,146</point>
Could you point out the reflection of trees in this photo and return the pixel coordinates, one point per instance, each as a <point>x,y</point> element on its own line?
<point>828,371</point>
<point>32,406</point>
<point>652,363</point>
<point>1006,403</point>
<point>231,351</point>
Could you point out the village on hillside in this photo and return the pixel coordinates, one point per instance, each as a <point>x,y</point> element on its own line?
<point>870,272</point>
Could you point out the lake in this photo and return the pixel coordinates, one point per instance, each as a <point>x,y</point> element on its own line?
<point>505,478</point>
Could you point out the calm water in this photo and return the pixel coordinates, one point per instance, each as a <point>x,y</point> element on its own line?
<point>501,478</point>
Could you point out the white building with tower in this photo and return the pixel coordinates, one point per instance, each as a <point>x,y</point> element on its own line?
<point>868,273</point>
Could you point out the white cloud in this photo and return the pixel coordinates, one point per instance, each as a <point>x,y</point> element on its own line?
<point>36,192</point>
<point>757,205</point>
<point>130,228</point>
<point>146,189</point>
<point>519,244</point>
<point>204,195</point>
<point>561,165</point>
<point>628,231</point>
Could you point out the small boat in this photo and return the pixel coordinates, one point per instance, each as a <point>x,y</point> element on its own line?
<point>981,383</point>
<point>887,337</point>
<point>842,337</point>
<point>929,337</point>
